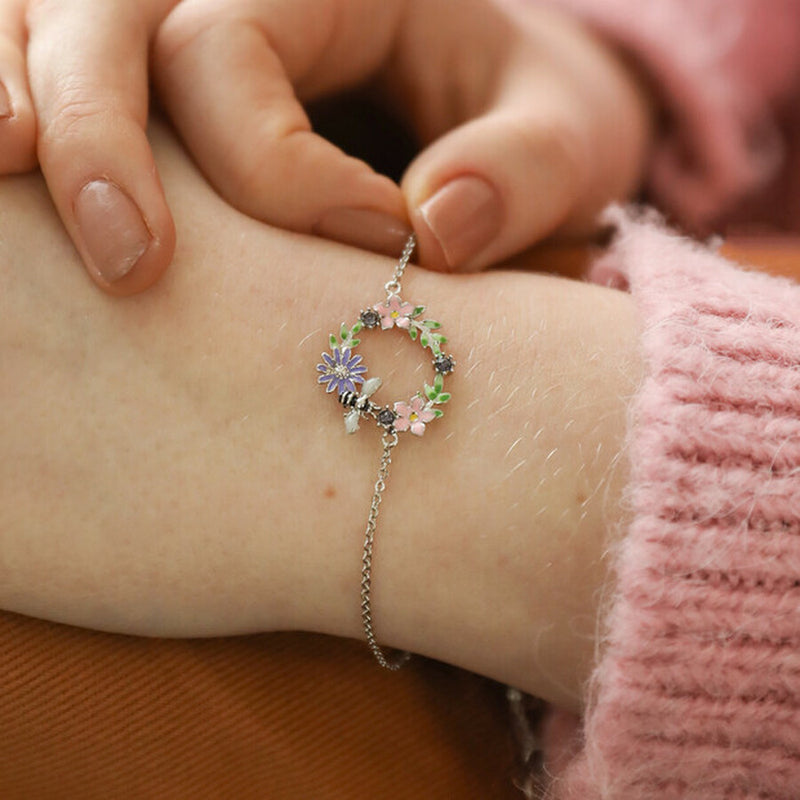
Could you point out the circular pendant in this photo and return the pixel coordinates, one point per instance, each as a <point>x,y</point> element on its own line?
<point>343,373</point>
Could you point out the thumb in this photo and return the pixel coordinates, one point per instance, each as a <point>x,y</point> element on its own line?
<point>495,185</point>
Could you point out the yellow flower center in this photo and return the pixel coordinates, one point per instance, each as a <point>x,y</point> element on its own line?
<point>395,314</point>
<point>414,416</point>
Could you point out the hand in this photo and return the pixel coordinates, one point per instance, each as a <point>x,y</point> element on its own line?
<point>529,128</point>
<point>76,76</point>
<point>170,467</point>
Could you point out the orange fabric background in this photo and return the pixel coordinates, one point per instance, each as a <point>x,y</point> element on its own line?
<point>87,715</point>
<point>280,716</point>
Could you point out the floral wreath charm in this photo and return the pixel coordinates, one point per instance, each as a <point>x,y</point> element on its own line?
<point>342,371</point>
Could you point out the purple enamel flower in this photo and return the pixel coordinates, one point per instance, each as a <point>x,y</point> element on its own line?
<point>340,371</point>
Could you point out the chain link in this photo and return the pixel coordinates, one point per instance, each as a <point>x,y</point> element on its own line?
<point>393,286</point>
<point>389,440</point>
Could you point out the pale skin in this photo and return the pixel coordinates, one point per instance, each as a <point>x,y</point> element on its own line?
<point>527,128</point>
<point>171,468</point>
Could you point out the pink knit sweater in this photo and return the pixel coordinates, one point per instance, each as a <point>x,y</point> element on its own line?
<point>697,694</point>
<point>697,691</point>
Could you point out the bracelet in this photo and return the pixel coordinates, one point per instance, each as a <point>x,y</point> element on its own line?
<point>342,372</point>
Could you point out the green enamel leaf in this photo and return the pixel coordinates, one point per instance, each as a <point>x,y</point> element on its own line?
<point>333,340</point>
<point>438,382</point>
<point>355,342</point>
<point>412,332</point>
<point>417,311</point>
<point>430,392</point>
<point>437,412</point>
<point>443,398</point>
<point>431,324</point>
<point>343,332</point>
<point>356,328</point>
<point>423,340</point>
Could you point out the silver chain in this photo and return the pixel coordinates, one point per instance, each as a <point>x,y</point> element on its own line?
<point>393,286</point>
<point>390,440</point>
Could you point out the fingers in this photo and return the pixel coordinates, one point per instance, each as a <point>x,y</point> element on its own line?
<point>228,76</point>
<point>494,186</point>
<point>562,132</point>
<point>17,120</point>
<point>88,70</point>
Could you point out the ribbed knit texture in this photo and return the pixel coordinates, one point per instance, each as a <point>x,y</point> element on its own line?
<point>697,695</point>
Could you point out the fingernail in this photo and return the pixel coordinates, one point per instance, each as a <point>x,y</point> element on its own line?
<point>363,227</point>
<point>5,103</point>
<point>112,229</point>
<point>464,216</point>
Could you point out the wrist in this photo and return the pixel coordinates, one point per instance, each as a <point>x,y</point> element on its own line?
<point>493,547</point>
<point>494,526</point>
<point>200,483</point>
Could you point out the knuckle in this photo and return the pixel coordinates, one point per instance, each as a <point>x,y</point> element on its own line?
<point>188,22</point>
<point>249,177</point>
<point>561,147</point>
<point>70,120</point>
<point>174,34</point>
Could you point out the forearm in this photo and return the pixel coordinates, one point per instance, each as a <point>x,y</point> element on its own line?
<point>171,468</point>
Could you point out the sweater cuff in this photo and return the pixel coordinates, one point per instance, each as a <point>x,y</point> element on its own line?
<point>697,693</point>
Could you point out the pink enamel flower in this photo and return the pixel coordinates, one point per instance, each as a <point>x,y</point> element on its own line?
<point>413,416</point>
<point>395,312</point>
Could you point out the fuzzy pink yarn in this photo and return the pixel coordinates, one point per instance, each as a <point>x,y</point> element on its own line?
<point>697,695</point>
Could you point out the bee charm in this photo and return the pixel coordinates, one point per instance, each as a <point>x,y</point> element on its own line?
<point>342,373</point>
<point>359,403</point>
